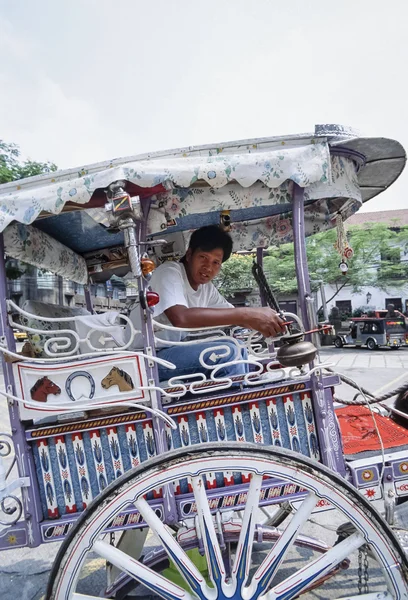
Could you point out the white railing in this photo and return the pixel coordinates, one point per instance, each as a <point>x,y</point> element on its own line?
<point>257,348</point>
<point>66,342</point>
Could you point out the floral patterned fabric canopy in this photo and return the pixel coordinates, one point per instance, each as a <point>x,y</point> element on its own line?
<point>306,162</point>
<point>31,245</point>
<point>188,188</point>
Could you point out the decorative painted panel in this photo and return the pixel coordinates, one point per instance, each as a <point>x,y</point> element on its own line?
<point>97,380</point>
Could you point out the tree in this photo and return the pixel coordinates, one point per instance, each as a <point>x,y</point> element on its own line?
<point>235,275</point>
<point>11,168</point>
<point>376,262</point>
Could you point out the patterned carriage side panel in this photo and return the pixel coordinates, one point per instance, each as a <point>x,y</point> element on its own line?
<point>256,422</point>
<point>248,434</point>
<point>223,426</point>
<point>283,423</point>
<point>202,428</point>
<point>149,438</point>
<point>97,460</point>
<point>47,478</point>
<point>292,422</point>
<point>81,467</point>
<point>168,436</point>
<point>107,454</point>
<point>239,435</point>
<point>238,424</point>
<point>132,446</point>
<point>40,478</point>
<point>273,420</point>
<point>183,486</point>
<point>307,409</point>
<point>65,474</point>
<point>301,424</point>
<point>182,422</point>
<point>150,449</point>
<point>115,451</point>
<point>73,467</point>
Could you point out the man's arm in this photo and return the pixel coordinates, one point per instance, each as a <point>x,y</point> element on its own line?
<point>264,320</point>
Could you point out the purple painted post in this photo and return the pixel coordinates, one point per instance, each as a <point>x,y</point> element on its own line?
<point>326,423</point>
<point>25,460</point>
<point>302,271</point>
<point>88,299</point>
<point>259,260</point>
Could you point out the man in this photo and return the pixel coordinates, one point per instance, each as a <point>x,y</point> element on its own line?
<point>188,300</point>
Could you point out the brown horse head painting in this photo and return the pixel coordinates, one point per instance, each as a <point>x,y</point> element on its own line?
<point>118,377</point>
<point>42,388</point>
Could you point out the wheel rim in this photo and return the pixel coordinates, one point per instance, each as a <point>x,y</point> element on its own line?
<point>320,484</point>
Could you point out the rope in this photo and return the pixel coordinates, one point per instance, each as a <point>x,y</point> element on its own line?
<point>264,287</point>
<point>371,399</point>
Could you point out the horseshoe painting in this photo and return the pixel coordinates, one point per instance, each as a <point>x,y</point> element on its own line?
<point>73,376</point>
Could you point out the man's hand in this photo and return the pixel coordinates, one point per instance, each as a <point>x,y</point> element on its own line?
<point>264,320</point>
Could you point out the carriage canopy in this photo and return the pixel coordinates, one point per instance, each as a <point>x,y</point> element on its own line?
<point>181,190</point>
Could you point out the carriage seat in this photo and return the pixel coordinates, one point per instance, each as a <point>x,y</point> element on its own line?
<point>360,436</point>
<point>81,327</point>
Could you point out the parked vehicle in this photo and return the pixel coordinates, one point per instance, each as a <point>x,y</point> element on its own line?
<point>374,332</point>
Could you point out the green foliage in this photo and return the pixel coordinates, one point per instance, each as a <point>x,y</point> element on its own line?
<point>376,262</point>
<point>235,275</point>
<point>12,169</point>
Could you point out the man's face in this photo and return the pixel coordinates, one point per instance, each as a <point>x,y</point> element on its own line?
<point>203,265</point>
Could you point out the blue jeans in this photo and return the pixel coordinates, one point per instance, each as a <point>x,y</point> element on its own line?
<point>186,359</point>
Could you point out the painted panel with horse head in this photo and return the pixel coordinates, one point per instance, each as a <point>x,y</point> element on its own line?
<point>106,380</point>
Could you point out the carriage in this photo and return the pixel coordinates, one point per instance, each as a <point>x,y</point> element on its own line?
<point>199,487</point>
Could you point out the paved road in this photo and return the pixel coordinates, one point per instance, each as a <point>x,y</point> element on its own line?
<point>24,572</point>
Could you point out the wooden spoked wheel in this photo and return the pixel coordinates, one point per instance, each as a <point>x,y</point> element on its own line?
<point>378,566</point>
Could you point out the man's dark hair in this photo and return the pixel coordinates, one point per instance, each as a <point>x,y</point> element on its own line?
<point>210,238</point>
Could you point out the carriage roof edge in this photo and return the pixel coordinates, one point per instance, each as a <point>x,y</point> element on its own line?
<point>186,188</point>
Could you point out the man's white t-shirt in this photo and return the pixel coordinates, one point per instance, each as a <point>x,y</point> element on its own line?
<point>170,281</point>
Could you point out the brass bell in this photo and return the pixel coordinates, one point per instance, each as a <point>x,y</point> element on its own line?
<point>295,351</point>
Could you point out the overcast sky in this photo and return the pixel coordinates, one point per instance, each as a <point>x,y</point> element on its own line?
<point>89,80</point>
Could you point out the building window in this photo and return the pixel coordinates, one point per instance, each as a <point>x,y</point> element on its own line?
<point>289,306</point>
<point>344,307</point>
<point>397,302</point>
<point>46,280</point>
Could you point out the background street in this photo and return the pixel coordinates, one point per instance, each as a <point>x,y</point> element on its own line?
<point>26,570</point>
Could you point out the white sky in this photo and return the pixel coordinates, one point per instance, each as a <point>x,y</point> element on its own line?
<point>88,80</point>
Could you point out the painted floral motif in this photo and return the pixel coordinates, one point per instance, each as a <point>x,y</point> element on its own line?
<point>67,490</point>
<point>290,413</point>
<point>97,450</point>
<point>203,433</point>
<point>50,493</point>
<point>62,456</point>
<point>256,423</point>
<point>37,248</point>
<point>273,417</point>
<point>239,426</point>
<point>149,443</point>
<point>220,430</point>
